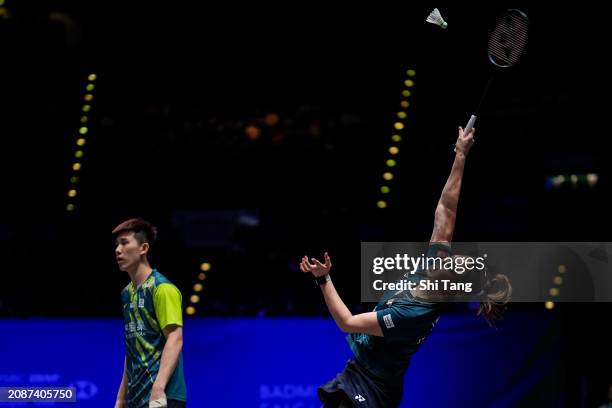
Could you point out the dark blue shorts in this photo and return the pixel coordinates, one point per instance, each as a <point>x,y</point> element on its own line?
<point>355,383</point>
<point>176,404</point>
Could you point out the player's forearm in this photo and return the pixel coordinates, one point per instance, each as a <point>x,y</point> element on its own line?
<point>336,306</point>
<point>169,360</point>
<point>452,188</point>
<point>122,393</point>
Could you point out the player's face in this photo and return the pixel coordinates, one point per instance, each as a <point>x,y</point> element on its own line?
<point>128,251</point>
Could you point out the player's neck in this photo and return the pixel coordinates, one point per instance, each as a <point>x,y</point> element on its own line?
<point>139,274</point>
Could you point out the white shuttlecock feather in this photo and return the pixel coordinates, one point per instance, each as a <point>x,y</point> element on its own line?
<point>436,18</point>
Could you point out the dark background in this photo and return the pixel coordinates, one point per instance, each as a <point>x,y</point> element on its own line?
<point>176,88</point>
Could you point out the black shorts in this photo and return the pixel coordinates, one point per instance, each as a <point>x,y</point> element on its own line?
<point>361,389</point>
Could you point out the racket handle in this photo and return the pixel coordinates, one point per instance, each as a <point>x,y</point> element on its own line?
<point>469,126</point>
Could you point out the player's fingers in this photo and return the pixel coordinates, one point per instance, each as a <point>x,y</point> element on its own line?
<point>319,264</point>
<point>327,260</point>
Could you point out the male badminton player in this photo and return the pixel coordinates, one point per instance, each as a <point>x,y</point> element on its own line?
<point>382,341</point>
<point>153,369</point>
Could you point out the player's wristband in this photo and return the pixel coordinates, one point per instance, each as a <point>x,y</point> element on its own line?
<point>320,280</point>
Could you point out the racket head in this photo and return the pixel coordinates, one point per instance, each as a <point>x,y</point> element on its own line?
<point>509,38</point>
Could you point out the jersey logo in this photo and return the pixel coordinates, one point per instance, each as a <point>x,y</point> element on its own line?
<point>388,321</point>
<point>359,398</point>
<point>140,327</point>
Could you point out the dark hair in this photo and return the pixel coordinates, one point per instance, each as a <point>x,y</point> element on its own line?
<point>143,230</point>
<point>497,292</point>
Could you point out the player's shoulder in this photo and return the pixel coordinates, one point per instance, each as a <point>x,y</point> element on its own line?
<point>126,289</point>
<point>162,284</point>
<point>125,294</point>
<point>160,279</point>
<point>440,248</point>
<point>411,305</point>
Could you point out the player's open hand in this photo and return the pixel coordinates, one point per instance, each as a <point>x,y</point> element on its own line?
<point>315,267</point>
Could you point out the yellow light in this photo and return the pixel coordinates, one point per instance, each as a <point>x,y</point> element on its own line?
<point>562,269</point>
<point>558,280</point>
<point>409,83</point>
<point>391,163</point>
<point>554,292</point>
<point>398,125</point>
<point>76,166</point>
<point>89,97</point>
<point>381,204</point>
<point>549,305</point>
<point>197,287</point>
<point>574,178</point>
<point>86,108</point>
<point>90,87</point>
<point>393,150</point>
<point>396,138</point>
<point>194,298</point>
<point>406,93</point>
<point>92,77</point>
<point>205,266</point>
<point>385,190</point>
<point>80,142</point>
<point>70,207</point>
<point>404,104</point>
<point>388,176</point>
<point>190,310</point>
<point>411,72</point>
<point>401,115</point>
<point>592,179</point>
<point>74,179</point>
<point>202,276</point>
<point>72,193</point>
<point>83,130</point>
<point>84,119</point>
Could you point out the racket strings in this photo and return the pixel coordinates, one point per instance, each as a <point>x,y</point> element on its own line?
<point>508,40</point>
<point>506,45</point>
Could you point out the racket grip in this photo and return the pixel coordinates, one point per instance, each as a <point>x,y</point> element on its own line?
<point>469,126</point>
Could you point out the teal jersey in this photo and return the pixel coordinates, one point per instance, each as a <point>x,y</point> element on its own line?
<point>405,323</point>
<point>155,304</point>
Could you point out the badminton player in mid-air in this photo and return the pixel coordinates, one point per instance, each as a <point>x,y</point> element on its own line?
<point>384,340</point>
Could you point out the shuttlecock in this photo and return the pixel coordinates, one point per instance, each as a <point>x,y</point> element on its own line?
<point>436,18</point>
